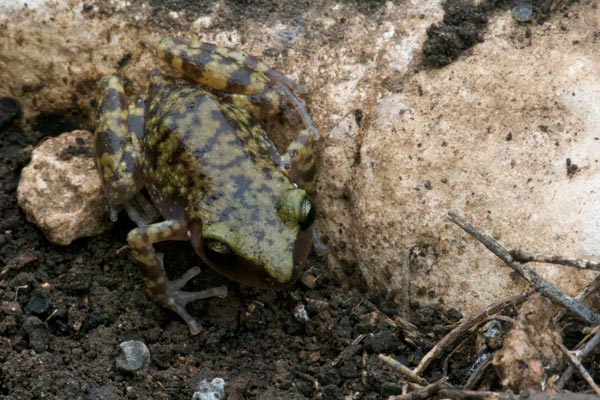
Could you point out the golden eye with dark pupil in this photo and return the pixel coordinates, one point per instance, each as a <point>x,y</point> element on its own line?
<point>217,247</point>
<point>307,213</point>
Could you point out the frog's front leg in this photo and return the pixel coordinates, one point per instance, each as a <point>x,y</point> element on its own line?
<point>299,163</point>
<point>248,82</point>
<point>118,134</point>
<point>150,264</point>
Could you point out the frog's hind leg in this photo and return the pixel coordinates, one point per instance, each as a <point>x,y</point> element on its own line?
<point>118,135</point>
<point>150,263</point>
<point>249,82</point>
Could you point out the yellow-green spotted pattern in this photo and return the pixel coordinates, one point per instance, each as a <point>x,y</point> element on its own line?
<point>210,158</point>
<point>210,170</point>
<point>223,69</point>
<point>116,148</point>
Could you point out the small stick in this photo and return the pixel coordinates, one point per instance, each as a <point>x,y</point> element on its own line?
<point>589,347</point>
<point>582,296</point>
<point>404,370</point>
<point>580,368</point>
<point>405,284</point>
<point>350,350</point>
<point>411,333</point>
<point>463,327</point>
<point>423,393</point>
<point>476,395</point>
<point>525,256</point>
<point>543,286</point>
<point>478,373</point>
<point>454,350</point>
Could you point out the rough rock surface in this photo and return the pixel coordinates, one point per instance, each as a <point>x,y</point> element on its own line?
<point>530,354</point>
<point>487,136</point>
<point>60,190</point>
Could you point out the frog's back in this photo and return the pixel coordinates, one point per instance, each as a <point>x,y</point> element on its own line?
<point>194,143</point>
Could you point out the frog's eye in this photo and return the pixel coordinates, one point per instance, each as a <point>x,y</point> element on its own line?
<point>294,207</point>
<point>218,247</point>
<point>307,213</point>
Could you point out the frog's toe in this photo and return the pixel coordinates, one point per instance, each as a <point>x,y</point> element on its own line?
<point>301,109</point>
<point>178,299</point>
<point>178,284</point>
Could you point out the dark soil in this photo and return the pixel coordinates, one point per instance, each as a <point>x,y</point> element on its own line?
<point>65,310</point>
<point>464,24</point>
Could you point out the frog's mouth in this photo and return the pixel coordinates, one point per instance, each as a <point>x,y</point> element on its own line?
<point>243,271</point>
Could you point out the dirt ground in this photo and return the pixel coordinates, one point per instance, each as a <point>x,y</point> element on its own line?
<point>64,310</point>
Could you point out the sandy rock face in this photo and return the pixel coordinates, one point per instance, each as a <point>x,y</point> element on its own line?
<point>487,136</point>
<point>530,351</point>
<point>60,190</point>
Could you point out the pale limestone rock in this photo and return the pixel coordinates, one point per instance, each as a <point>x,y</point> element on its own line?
<point>60,189</point>
<point>530,351</point>
<point>430,140</point>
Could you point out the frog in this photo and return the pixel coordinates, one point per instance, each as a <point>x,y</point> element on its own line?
<point>189,160</point>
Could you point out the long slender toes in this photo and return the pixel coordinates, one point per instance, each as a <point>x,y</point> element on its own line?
<point>189,320</point>
<point>299,106</point>
<point>185,278</point>
<point>183,298</point>
<point>281,78</point>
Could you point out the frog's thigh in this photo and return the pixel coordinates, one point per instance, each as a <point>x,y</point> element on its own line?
<point>299,162</point>
<point>117,139</point>
<point>261,105</point>
<point>223,69</point>
<point>150,263</point>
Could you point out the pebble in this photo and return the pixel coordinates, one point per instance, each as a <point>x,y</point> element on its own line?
<point>134,357</point>
<point>215,390</point>
<point>300,313</point>
<point>523,11</point>
<point>38,305</point>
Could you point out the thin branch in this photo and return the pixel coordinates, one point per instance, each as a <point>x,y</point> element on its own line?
<point>423,393</point>
<point>405,284</point>
<point>478,372</point>
<point>582,296</point>
<point>582,354</point>
<point>411,333</point>
<point>404,370</point>
<point>525,256</point>
<point>350,350</point>
<point>580,368</point>
<point>463,327</point>
<point>476,395</point>
<point>543,286</point>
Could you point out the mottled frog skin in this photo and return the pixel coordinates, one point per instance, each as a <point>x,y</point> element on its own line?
<point>209,169</point>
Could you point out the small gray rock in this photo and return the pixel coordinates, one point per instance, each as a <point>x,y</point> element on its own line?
<point>523,11</point>
<point>134,358</point>
<point>215,390</point>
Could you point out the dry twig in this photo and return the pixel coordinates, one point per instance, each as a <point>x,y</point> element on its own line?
<point>463,327</point>
<point>404,370</point>
<point>476,395</point>
<point>543,286</point>
<point>582,296</point>
<point>405,284</point>
<point>580,368</point>
<point>589,347</point>
<point>349,351</point>
<point>411,333</point>
<point>525,256</point>
<point>423,393</point>
<point>478,372</point>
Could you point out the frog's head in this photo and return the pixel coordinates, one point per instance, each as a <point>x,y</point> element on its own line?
<point>265,247</point>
